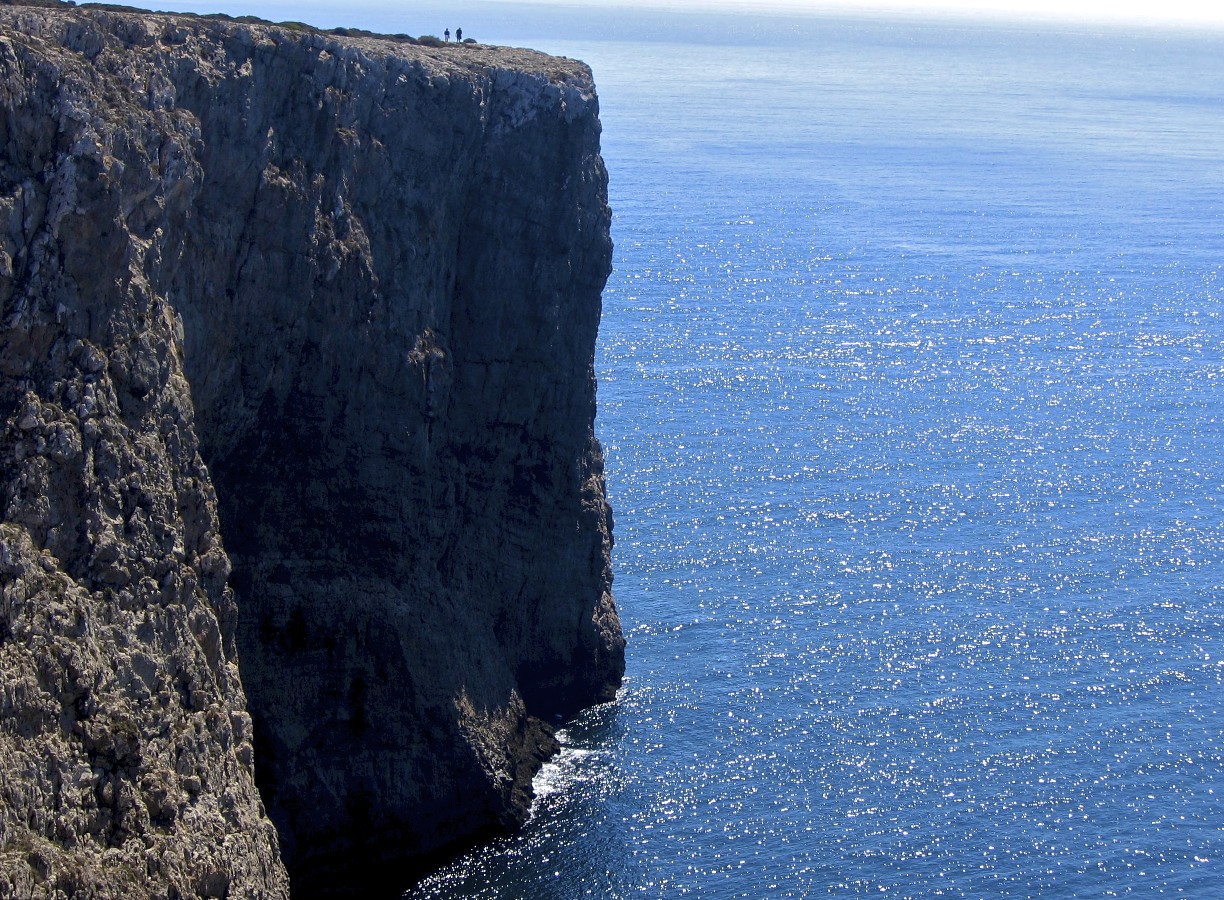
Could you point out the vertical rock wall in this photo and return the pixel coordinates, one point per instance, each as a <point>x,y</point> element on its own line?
<point>125,742</point>
<point>360,280</point>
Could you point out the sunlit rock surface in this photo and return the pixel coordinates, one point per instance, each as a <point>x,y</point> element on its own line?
<point>296,370</point>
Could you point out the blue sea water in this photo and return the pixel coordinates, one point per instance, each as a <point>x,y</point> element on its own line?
<point>912,390</point>
<point>912,387</point>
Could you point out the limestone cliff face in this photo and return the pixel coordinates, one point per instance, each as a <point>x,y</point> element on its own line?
<point>295,369</point>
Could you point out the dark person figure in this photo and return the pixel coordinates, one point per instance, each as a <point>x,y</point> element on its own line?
<point>447,34</point>
<point>459,35</point>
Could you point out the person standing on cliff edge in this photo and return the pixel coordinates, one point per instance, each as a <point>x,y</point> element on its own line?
<point>446,34</point>
<point>458,35</point>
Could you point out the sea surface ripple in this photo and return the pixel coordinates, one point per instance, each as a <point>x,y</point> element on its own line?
<point>911,386</point>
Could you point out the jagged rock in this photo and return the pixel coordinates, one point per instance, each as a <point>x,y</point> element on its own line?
<point>360,279</point>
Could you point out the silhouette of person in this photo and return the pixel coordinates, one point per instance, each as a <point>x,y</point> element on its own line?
<point>459,35</point>
<point>447,33</point>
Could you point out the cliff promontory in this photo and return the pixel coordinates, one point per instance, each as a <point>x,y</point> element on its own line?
<point>301,508</point>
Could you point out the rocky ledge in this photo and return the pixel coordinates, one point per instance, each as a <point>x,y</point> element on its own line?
<point>296,369</point>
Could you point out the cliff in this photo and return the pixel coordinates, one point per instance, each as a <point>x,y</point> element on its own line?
<point>296,369</point>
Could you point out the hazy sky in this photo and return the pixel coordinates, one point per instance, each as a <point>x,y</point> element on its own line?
<point>1131,10</point>
<point>1170,11</point>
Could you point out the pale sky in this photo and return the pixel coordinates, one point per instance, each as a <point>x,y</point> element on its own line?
<point>1178,12</point>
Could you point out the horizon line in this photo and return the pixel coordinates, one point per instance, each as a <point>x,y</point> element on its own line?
<point>1179,17</point>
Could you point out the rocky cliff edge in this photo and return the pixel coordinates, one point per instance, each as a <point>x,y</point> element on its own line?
<point>296,369</point>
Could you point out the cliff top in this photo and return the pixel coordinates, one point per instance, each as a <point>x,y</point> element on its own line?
<point>441,58</point>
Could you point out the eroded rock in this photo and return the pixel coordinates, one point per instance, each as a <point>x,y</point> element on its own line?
<point>360,280</point>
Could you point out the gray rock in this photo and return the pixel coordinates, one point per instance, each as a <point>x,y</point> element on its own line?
<point>361,280</point>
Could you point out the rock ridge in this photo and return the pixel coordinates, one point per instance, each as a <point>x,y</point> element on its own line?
<point>296,368</point>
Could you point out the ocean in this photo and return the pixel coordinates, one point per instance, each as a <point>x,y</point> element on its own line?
<point>912,391</point>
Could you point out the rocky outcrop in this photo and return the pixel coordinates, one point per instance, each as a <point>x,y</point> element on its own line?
<point>296,368</point>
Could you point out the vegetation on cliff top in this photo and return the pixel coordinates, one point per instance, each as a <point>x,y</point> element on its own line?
<point>427,40</point>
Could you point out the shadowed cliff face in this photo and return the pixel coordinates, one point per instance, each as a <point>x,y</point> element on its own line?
<point>361,281</point>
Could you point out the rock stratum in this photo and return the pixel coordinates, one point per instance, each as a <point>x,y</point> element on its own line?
<point>302,508</point>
